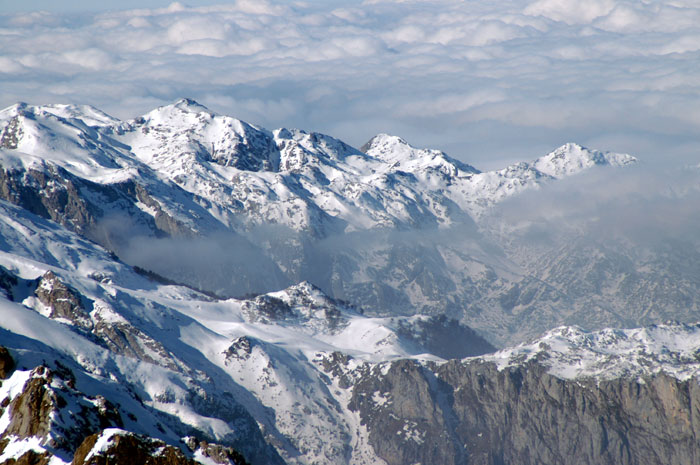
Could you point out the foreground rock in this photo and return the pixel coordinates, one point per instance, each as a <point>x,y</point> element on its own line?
<point>7,364</point>
<point>118,447</point>
<point>45,416</point>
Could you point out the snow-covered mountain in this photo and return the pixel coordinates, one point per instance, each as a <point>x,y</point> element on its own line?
<point>233,209</point>
<point>240,173</point>
<point>294,376</point>
<point>177,362</point>
<point>185,288</point>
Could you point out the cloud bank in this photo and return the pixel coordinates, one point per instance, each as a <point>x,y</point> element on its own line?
<point>489,82</point>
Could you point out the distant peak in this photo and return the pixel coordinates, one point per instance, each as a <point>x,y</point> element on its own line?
<point>394,149</point>
<point>572,158</point>
<point>307,286</point>
<point>18,106</point>
<point>571,147</point>
<point>188,104</point>
<point>382,139</point>
<point>175,111</point>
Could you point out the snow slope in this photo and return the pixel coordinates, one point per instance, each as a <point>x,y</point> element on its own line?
<point>304,181</point>
<point>207,363</point>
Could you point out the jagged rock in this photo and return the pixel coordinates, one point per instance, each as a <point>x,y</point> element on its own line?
<point>7,364</point>
<point>241,348</point>
<point>125,339</point>
<point>64,302</point>
<point>164,224</point>
<point>268,308</point>
<point>51,409</point>
<point>120,337</point>
<point>51,193</point>
<point>336,364</point>
<point>7,282</point>
<point>405,419</point>
<point>216,452</point>
<point>30,411</point>
<point>11,135</point>
<point>124,448</point>
<point>30,458</point>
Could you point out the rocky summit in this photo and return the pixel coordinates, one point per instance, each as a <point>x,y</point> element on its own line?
<point>187,288</point>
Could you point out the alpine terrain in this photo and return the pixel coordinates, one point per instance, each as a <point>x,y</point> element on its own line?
<point>189,288</point>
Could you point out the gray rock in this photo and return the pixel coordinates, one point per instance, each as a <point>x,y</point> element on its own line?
<point>471,413</point>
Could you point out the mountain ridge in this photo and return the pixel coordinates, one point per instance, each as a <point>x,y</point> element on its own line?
<point>372,284</point>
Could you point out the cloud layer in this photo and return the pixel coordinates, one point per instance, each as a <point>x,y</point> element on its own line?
<point>485,81</point>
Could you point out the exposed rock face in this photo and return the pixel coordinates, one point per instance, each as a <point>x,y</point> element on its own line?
<point>125,448</point>
<point>82,206</point>
<point>7,283</point>
<point>50,408</point>
<point>119,447</point>
<point>64,302</point>
<point>68,305</point>
<point>216,452</point>
<point>240,348</point>
<point>29,458</point>
<point>11,134</point>
<point>471,413</point>
<point>7,364</point>
<point>125,339</point>
<point>265,308</point>
<point>30,411</point>
<point>69,423</point>
<point>302,303</point>
<point>52,193</point>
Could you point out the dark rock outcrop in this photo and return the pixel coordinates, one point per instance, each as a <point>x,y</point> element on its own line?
<point>265,308</point>
<point>7,283</point>
<point>68,423</point>
<point>7,364</point>
<point>50,408</point>
<point>30,411</point>
<point>65,303</point>
<point>83,206</point>
<point>240,349</point>
<point>127,449</point>
<point>29,458</point>
<point>216,452</point>
<point>125,339</point>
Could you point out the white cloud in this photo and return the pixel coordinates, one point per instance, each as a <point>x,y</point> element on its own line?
<point>481,79</point>
<point>571,11</point>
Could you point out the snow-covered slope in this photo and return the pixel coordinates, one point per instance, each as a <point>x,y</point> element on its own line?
<point>572,353</point>
<point>278,376</point>
<point>234,371</point>
<point>239,172</point>
<point>390,227</point>
<point>290,375</point>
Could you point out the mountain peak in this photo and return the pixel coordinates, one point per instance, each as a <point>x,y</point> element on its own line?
<point>178,110</point>
<point>13,110</point>
<point>383,139</point>
<point>572,158</point>
<point>396,151</point>
<point>190,105</point>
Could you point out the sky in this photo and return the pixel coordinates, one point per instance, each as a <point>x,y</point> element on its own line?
<point>487,82</point>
